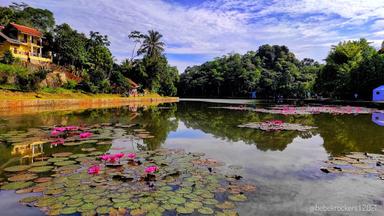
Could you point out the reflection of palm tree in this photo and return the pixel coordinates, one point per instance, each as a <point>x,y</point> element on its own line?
<point>152,45</point>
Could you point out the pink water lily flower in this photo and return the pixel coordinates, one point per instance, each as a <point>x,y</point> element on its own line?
<point>71,128</point>
<point>60,129</point>
<point>119,155</point>
<point>85,135</point>
<point>151,169</point>
<point>94,170</point>
<point>55,133</point>
<point>104,157</point>
<point>131,155</point>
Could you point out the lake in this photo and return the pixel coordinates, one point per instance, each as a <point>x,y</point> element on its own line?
<point>285,166</point>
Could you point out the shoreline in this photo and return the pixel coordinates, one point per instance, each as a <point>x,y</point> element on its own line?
<point>24,103</point>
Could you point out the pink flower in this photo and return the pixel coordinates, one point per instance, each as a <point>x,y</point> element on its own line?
<point>104,157</point>
<point>119,155</point>
<point>72,128</point>
<point>55,133</point>
<point>85,135</point>
<point>94,170</point>
<point>131,155</point>
<point>151,169</point>
<point>60,129</point>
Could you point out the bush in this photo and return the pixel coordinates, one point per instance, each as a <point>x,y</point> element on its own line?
<point>7,58</point>
<point>30,82</point>
<point>70,84</point>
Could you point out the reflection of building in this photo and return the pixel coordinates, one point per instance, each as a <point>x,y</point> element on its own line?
<point>23,42</point>
<point>133,88</point>
<point>378,118</point>
<point>30,150</point>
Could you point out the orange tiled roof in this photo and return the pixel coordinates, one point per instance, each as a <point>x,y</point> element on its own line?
<point>27,30</point>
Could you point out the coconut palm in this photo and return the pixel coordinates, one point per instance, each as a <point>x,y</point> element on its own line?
<point>152,45</point>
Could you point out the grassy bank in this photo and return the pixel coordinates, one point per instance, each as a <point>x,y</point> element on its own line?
<point>60,93</point>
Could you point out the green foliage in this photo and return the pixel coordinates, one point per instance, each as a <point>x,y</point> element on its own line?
<point>70,84</point>
<point>351,67</point>
<point>30,82</point>
<point>7,58</point>
<point>272,71</point>
<point>23,14</point>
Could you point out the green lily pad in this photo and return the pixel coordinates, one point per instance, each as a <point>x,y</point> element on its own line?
<point>226,205</point>
<point>22,177</point>
<point>177,200</point>
<point>68,210</point>
<point>64,163</point>
<point>16,185</point>
<point>29,199</point>
<point>54,160</point>
<point>184,210</point>
<point>169,206</point>
<point>205,211</point>
<point>194,205</point>
<point>210,201</point>
<point>103,210</point>
<point>237,198</point>
<point>41,169</point>
<point>86,207</point>
<point>16,168</point>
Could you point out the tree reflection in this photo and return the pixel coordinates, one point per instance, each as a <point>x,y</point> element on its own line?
<point>223,124</point>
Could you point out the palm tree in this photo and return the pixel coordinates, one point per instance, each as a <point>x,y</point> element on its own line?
<point>152,45</point>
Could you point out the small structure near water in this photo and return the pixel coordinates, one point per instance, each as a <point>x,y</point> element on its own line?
<point>378,93</point>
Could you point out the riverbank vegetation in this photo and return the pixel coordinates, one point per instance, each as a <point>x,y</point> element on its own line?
<point>88,58</point>
<point>352,68</point>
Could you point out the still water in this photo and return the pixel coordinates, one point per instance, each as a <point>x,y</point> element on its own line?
<point>285,166</point>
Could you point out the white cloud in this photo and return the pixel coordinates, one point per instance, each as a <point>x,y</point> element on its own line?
<point>217,27</point>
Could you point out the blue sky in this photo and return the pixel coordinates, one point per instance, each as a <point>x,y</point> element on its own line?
<point>199,30</point>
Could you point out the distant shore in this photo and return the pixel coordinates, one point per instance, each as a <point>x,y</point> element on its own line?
<point>20,102</point>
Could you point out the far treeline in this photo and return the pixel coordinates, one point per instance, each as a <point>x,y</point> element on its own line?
<point>352,69</point>
<point>90,58</point>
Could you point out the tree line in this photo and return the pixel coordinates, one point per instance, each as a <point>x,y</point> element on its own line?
<point>90,58</point>
<point>352,69</point>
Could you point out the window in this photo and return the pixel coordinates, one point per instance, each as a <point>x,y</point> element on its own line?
<point>25,38</point>
<point>377,92</point>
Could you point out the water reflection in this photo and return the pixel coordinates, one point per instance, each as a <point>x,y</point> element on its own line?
<point>378,118</point>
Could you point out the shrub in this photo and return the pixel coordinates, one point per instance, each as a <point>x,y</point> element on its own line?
<point>30,82</point>
<point>7,58</point>
<point>70,84</point>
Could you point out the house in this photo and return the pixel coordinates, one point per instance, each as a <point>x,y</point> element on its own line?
<point>134,87</point>
<point>378,93</point>
<point>24,42</point>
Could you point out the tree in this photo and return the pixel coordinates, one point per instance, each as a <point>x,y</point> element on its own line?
<point>152,45</point>
<point>137,37</point>
<point>7,58</point>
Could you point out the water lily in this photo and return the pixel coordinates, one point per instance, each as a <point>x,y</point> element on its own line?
<point>119,155</point>
<point>151,169</point>
<point>71,128</point>
<point>104,157</point>
<point>55,133</point>
<point>85,135</point>
<point>60,129</point>
<point>131,155</point>
<point>94,170</point>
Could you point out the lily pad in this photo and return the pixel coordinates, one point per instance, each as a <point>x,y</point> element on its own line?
<point>205,211</point>
<point>62,154</point>
<point>68,210</point>
<point>40,163</point>
<point>65,163</point>
<point>16,185</point>
<point>177,200</point>
<point>237,198</point>
<point>41,169</point>
<point>184,210</point>
<point>29,199</point>
<point>22,177</point>
<point>16,168</point>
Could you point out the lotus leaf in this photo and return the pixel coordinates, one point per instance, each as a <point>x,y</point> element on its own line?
<point>177,200</point>
<point>86,207</point>
<point>205,211</point>
<point>237,198</point>
<point>16,185</point>
<point>54,160</point>
<point>64,163</point>
<point>22,177</point>
<point>16,168</point>
<point>29,199</point>
<point>194,205</point>
<point>41,169</point>
<point>68,210</point>
<point>62,154</point>
<point>210,201</point>
<point>184,210</point>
